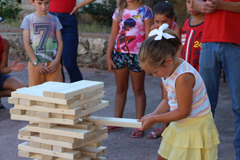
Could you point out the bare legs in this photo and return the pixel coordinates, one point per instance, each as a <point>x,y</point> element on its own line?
<point>122,77</point>
<point>11,84</point>
<point>137,78</point>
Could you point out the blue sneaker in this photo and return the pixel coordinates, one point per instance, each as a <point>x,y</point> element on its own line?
<point>2,108</point>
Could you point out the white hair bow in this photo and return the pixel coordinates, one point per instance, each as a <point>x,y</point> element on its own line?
<point>160,34</point>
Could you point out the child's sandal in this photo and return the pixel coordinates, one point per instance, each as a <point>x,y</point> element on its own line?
<point>137,133</point>
<point>152,135</point>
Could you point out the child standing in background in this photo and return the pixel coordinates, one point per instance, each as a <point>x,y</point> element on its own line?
<point>131,25</point>
<point>191,36</point>
<point>43,44</point>
<point>7,82</point>
<point>163,12</point>
<point>192,134</point>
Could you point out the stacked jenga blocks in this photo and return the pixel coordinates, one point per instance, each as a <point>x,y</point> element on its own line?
<point>61,126</point>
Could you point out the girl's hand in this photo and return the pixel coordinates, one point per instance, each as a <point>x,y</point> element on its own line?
<point>148,122</point>
<point>53,66</point>
<point>110,65</point>
<point>74,11</point>
<point>41,69</point>
<point>15,66</point>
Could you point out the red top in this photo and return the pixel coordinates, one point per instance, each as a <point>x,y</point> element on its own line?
<point>62,6</point>
<point>1,46</point>
<point>191,43</point>
<point>222,26</point>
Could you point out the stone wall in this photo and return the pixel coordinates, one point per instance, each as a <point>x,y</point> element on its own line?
<point>91,50</point>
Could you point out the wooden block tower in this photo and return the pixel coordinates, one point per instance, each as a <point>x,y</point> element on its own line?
<point>60,123</point>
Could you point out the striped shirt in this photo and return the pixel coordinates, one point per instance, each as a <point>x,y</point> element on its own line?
<point>200,101</point>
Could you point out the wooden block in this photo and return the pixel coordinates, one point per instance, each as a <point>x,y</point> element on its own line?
<point>50,105</point>
<point>31,113</point>
<point>73,111</point>
<point>46,125</point>
<point>45,120</point>
<point>102,105</point>
<point>56,138</point>
<point>38,96</point>
<point>26,102</point>
<point>92,152</point>
<point>23,132</point>
<point>61,131</point>
<point>40,103</point>
<point>17,111</point>
<point>46,146</point>
<point>59,149</point>
<point>94,145</point>
<point>13,100</point>
<point>120,122</point>
<point>84,96</point>
<point>35,144</point>
<point>68,139</point>
<point>45,136</point>
<point>36,138</point>
<point>46,157</point>
<point>70,154</point>
<point>80,125</point>
<point>88,105</point>
<point>65,116</point>
<point>56,115</point>
<point>76,90</point>
<point>99,138</point>
<point>43,114</point>
<point>85,117</point>
<point>24,154</point>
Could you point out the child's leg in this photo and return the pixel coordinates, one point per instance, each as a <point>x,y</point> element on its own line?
<point>139,92</point>
<point>121,77</point>
<point>161,158</point>
<point>34,77</point>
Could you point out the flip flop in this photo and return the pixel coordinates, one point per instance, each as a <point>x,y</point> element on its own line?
<point>135,133</point>
<point>113,128</point>
<point>154,136</point>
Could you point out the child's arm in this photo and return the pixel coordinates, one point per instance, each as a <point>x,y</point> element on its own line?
<point>184,86</point>
<point>81,4</point>
<point>26,39</point>
<point>54,64</point>
<point>15,66</point>
<point>148,24</point>
<point>111,42</point>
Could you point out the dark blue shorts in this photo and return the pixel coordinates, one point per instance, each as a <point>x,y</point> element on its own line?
<point>3,78</point>
<point>122,60</point>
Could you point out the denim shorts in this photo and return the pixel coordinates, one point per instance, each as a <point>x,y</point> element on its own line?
<point>122,60</point>
<point>3,78</point>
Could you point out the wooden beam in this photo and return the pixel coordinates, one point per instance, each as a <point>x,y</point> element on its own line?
<point>120,122</point>
<point>44,120</point>
<point>61,131</point>
<point>70,154</point>
<point>94,109</point>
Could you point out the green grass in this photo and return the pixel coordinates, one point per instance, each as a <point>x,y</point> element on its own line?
<point>85,28</point>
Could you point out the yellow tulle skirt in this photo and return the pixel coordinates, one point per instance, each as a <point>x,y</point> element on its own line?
<point>194,139</point>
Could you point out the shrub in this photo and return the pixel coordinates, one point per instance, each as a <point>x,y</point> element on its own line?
<point>101,12</point>
<point>9,9</point>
